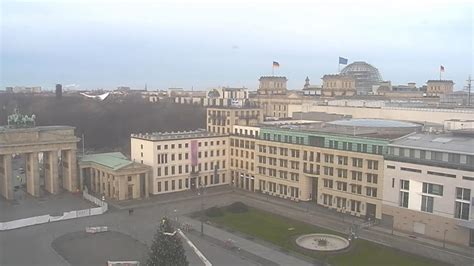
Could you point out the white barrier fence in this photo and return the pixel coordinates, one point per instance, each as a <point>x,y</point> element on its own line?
<point>103,207</point>
<point>96,229</point>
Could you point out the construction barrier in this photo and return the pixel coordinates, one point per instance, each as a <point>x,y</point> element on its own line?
<point>66,215</point>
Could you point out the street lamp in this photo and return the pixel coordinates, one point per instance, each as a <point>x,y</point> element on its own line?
<point>201,191</point>
<point>343,214</point>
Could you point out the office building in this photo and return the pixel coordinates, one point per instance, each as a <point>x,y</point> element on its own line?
<point>429,186</point>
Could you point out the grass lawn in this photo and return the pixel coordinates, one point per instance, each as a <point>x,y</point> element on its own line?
<point>274,228</point>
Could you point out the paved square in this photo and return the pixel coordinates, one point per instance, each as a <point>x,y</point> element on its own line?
<point>25,206</point>
<point>81,248</point>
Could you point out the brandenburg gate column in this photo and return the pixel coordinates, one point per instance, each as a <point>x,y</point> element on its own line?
<point>51,178</point>
<point>69,170</point>
<point>32,174</point>
<point>6,186</point>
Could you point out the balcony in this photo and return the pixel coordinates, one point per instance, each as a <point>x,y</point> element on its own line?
<point>311,172</point>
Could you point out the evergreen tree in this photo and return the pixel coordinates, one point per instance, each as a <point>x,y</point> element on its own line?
<point>167,248</point>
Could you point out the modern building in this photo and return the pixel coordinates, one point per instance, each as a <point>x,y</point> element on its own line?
<point>366,76</point>
<point>429,186</point>
<point>182,160</point>
<point>439,87</point>
<point>114,176</point>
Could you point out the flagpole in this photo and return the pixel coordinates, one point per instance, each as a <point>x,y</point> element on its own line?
<point>273,69</point>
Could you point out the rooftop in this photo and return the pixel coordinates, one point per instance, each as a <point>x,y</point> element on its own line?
<point>373,123</point>
<point>38,128</point>
<point>451,142</point>
<point>159,136</point>
<point>112,160</point>
<point>373,131</point>
<point>440,80</point>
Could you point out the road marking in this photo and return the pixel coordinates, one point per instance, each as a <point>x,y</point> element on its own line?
<point>198,253</point>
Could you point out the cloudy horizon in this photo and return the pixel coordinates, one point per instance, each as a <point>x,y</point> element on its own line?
<point>105,44</point>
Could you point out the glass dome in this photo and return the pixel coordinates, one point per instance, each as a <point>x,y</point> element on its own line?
<point>365,76</point>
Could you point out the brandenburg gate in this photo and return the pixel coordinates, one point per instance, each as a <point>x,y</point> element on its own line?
<point>57,144</point>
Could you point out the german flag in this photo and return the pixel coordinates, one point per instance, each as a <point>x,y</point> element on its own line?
<point>276,64</point>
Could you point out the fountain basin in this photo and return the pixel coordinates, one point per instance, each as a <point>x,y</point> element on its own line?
<point>322,242</point>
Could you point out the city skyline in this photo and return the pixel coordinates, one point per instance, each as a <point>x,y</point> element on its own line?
<point>105,45</point>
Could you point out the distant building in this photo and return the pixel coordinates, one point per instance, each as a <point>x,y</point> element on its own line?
<point>456,98</point>
<point>458,124</point>
<point>24,89</point>
<point>272,85</point>
<point>225,96</point>
<point>59,91</point>
<point>338,85</point>
<point>311,90</point>
<point>365,76</point>
<point>439,87</point>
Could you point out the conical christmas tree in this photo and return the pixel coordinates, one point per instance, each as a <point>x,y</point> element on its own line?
<point>167,248</point>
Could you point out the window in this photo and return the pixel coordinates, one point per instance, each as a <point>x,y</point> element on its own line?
<point>357,162</point>
<point>372,178</point>
<point>404,199</point>
<point>427,203</point>
<point>371,164</point>
<point>371,192</point>
<point>410,170</point>
<point>159,186</point>
<point>433,189</point>
<point>462,204</point>
<point>405,184</point>
<point>441,174</point>
<point>356,175</point>
<point>390,166</point>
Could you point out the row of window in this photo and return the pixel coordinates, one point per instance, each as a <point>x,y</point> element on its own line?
<point>354,188</point>
<point>247,144</point>
<point>247,166</point>
<point>340,202</point>
<point>179,169</point>
<point>280,189</point>
<point>179,184</point>
<point>271,172</point>
<point>462,201</point>
<point>431,155</point>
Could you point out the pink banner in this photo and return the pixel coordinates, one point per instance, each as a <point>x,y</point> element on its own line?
<point>194,152</point>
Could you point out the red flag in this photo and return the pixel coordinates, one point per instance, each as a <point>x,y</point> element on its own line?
<point>441,68</point>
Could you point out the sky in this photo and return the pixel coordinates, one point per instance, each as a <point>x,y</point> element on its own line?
<point>88,44</point>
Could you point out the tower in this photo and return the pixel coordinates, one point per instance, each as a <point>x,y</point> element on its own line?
<point>306,83</point>
<point>59,91</point>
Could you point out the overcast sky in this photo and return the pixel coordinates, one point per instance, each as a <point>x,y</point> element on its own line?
<point>96,44</point>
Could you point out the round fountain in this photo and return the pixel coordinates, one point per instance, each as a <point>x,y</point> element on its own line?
<point>322,242</point>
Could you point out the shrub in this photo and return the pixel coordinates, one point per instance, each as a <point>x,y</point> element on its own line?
<point>214,212</point>
<point>237,207</point>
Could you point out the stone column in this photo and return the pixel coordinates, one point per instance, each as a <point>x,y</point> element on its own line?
<point>81,178</point>
<point>147,184</point>
<point>6,185</point>
<point>51,177</point>
<point>32,174</point>
<point>70,170</point>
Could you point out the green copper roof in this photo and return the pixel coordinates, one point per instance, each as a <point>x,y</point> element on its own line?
<point>113,160</point>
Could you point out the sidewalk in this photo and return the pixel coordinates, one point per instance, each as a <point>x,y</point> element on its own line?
<point>247,245</point>
<point>168,198</point>
<point>325,218</point>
